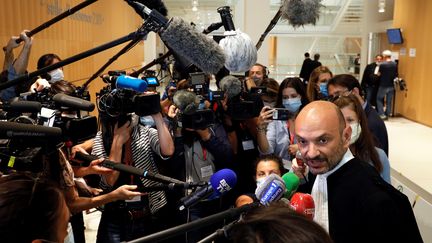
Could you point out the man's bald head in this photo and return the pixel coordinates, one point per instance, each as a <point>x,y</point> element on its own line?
<point>322,135</point>
<point>323,111</point>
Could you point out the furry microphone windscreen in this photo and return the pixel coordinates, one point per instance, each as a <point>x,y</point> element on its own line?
<point>240,51</point>
<point>183,99</point>
<point>231,86</point>
<point>301,12</point>
<point>194,46</point>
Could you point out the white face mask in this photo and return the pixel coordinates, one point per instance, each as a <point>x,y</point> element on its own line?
<point>259,181</point>
<point>356,131</point>
<point>56,75</point>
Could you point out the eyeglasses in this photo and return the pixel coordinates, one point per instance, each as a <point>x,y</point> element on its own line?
<point>339,94</point>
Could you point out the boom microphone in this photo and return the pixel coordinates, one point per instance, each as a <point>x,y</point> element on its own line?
<point>240,51</point>
<point>19,130</point>
<point>187,42</point>
<point>300,12</point>
<point>133,170</point>
<point>231,86</point>
<point>21,106</point>
<point>151,4</point>
<point>270,190</point>
<point>220,182</point>
<point>73,102</point>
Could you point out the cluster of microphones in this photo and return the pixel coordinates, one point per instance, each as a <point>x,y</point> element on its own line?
<point>274,188</point>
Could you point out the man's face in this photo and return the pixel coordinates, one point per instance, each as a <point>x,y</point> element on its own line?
<point>256,73</point>
<point>378,59</point>
<point>321,143</point>
<point>337,90</point>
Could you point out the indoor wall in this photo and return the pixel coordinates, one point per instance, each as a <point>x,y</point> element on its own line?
<point>98,23</point>
<point>414,18</point>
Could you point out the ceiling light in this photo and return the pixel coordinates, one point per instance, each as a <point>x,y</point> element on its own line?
<point>381,6</point>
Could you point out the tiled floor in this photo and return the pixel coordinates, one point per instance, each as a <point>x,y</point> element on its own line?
<point>410,150</point>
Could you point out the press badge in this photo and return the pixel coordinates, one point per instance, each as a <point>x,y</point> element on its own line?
<point>248,145</point>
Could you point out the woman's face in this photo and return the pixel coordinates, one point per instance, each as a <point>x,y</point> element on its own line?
<point>267,167</point>
<point>289,93</point>
<point>350,115</point>
<point>323,78</point>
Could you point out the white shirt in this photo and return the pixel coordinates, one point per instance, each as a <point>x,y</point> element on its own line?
<point>319,192</point>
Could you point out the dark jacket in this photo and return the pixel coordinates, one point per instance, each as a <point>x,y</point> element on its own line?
<point>306,69</point>
<point>377,127</point>
<point>369,78</point>
<point>388,71</point>
<point>364,208</point>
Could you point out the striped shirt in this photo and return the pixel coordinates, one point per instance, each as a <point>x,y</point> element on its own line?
<point>144,141</point>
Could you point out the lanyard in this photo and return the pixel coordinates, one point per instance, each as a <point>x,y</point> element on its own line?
<point>290,135</point>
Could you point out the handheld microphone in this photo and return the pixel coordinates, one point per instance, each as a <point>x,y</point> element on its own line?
<point>73,102</point>
<point>21,106</point>
<point>129,82</point>
<point>291,183</point>
<point>270,190</point>
<point>19,130</point>
<point>303,203</point>
<point>220,182</point>
<point>134,171</point>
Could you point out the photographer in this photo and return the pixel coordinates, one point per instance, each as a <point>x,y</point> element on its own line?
<point>199,152</point>
<point>123,140</point>
<point>277,136</point>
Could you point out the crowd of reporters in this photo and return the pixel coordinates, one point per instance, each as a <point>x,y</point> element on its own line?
<point>189,135</point>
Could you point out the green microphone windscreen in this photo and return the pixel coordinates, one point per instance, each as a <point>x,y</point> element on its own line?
<point>291,182</point>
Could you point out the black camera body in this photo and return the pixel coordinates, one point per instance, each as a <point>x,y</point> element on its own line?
<point>245,108</point>
<point>123,101</point>
<point>197,120</point>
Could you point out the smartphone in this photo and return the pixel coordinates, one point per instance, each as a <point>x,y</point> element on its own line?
<point>282,114</point>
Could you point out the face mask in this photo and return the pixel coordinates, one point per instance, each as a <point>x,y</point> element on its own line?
<point>257,80</point>
<point>323,89</point>
<point>270,104</point>
<point>147,121</point>
<point>292,104</point>
<point>356,131</point>
<point>259,181</point>
<point>56,75</point>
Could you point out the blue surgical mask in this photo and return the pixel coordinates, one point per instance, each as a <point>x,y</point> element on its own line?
<point>323,89</point>
<point>56,75</point>
<point>292,104</point>
<point>147,121</point>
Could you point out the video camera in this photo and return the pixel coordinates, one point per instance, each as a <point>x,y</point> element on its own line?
<point>124,95</point>
<point>244,106</point>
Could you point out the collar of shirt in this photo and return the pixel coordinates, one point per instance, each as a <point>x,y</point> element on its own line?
<point>319,192</point>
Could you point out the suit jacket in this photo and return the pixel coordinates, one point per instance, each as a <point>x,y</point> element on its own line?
<point>369,78</point>
<point>363,207</point>
<point>306,69</point>
<point>377,127</point>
